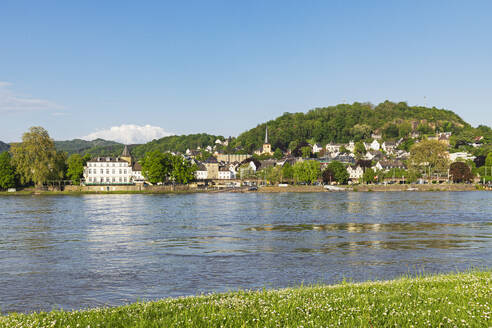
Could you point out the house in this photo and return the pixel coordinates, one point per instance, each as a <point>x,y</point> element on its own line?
<point>355,172</point>
<point>225,173</point>
<point>317,148</point>
<point>376,136</point>
<point>389,165</point>
<point>373,155</point>
<point>345,158</point>
<point>373,145</point>
<point>453,157</point>
<point>201,172</point>
<point>113,170</point>
<point>388,146</point>
<point>351,146</point>
<point>444,138</point>
<point>333,148</point>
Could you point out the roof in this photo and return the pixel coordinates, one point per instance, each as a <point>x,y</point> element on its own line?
<point>137,167</point>
<point>108,159</point>
<point>211,159</point>
<point>201,167</point>
<point>125,152</point>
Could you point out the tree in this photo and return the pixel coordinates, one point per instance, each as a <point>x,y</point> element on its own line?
<point>278,154</point>
<point>328,176</point>
<point>361,131</point>
<point>156,166</point>
<point>360,149</point>
<point>75,168</point>
<point>59,168</point>
<point>35,157</point>
<point>340,172</point>
<point>479,161</point>
<point>7,171</point>
<point>460,172</point>
<point>306,151</point>
<point>307,171</point>
<point>429,156</point>
<point>287,172</point>
<point>488,160</point>
<point>391,131</point>
<point>369,176</point>
<point>182,171</point>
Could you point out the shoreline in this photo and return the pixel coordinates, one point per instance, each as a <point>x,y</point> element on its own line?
<point>262,189</point>
<point>461,299</point>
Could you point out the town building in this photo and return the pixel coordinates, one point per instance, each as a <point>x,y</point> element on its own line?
<point>113,170</point>
<point>267,148</point>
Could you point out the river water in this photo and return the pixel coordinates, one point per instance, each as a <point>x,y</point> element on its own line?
<point>74,252</point>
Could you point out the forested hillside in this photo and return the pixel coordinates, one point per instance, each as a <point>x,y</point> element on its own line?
<point>4,147</point>
<point>176,143</point>
<point>357,121</point>
<point>97,147</point>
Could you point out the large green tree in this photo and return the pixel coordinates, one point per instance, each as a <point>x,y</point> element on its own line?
<point>7,171</point>
<point>156,166</point>
<point>75,168</point>
<point>307,171</point>
<point>182,171</point>
<point>340,172</point>
<point>369,176</point>
<point>429,156</point>
<point>35,157</point>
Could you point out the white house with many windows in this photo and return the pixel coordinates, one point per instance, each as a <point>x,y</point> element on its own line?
<point>113,170</point>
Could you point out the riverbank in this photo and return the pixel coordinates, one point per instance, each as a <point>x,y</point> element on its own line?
<point>447,300</point>
<point>77,190</point>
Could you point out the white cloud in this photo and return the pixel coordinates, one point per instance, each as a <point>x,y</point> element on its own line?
<point>129,134</point>
<point>11,101</point>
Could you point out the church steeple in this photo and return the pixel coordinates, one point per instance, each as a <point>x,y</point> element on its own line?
<point>266,134</point>
<point>126,156</point>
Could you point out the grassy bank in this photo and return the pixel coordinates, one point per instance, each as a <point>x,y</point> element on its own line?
<point>451,300</point>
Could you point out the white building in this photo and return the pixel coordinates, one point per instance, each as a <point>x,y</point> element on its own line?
<point>317,148</point>
<point>333,148</point>
<point>201,173</point>
<point>351,146</point>
<point>113,170</point>
<point>453,157</point>
<point>226,173</point>
<point>355,172</point>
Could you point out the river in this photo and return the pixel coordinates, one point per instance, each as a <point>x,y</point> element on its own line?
<point>74,252</point>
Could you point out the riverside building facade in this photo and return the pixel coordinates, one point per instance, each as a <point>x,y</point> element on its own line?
<point>113,170</point>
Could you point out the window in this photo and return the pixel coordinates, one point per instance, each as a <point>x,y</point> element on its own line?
<point>107,179</point>
<point>125,173</point>
<point>112,171</point>
<point>114,179</point>
<point>90,171</point>
<point>102,171</point>
<point>107,171</point>
<point>120,179</point>
<point>124,179</point>
<point>120,171</point>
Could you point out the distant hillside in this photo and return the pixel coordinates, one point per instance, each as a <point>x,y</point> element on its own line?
<point>345,122</point>
<point>97,147</point>
<point>176,143</point>
<point>4,147</point>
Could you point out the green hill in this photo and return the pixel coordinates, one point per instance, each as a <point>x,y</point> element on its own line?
<point>357,121</point>
<point>100,147</point>
<point>97,147</point>
<point>4,147</point>
<point>176,143</point>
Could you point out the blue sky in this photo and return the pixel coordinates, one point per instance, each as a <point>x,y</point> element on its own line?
<point>221,67</point>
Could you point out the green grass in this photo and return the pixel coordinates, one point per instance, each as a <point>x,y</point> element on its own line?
<point>447,300</point>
